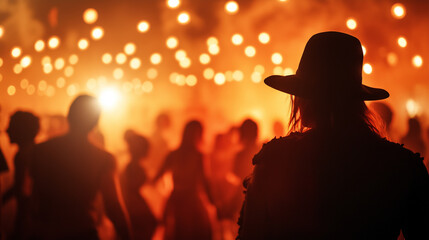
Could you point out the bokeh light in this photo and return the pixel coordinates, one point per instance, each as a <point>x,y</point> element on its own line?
<point>59,63</point>
<point>54,42</point>
<point>11,90</point>
<point>147,86</point>
<point>47,68</point>
<point>1,31</point>
<point>173,3</point>
<point>68,71</point>
<point>17,68</point>
<point>46,60</point>
<point>90,16</point>
<point>212,41</point>
<point>367,68</point>
<point>191,80</point>
<point>250,51</point>
<point>24,83</point>
<point>398,11</point>
<point>402,42</point>
<point>264,37</point>
<point>155,58</point>
<point>219,79</point>
<point>143,26</point>
<point>237,75</point>
<point>16,52</point>
<point>39,45</point>
<point>351,24</point>
<point>97,33</point>
<point>185,63</point>
<point>183,18</point>
<point>256,77</point>
<point>106,58</point>
<point>214,49</point>
<point>413,108</point>
<point>237,39</point>
<point>277,58</point>
<point>204,58</point>
<point>135,63</point>
<point>83,44</point>
<point>417,61</point>
<point>152,73</point>
<point>121,58</point>
<point>61,82</point>
<point>73,59</point>
<point>25,61</point>
<point>31,89</point>
<point>118,73</point>
<point>208,73</point>
<point>392,59</point>
<point>109,98</point>
<point>130,48</point>
<point>180,55</point>
<point>231,7</point>
<point>172,42</point>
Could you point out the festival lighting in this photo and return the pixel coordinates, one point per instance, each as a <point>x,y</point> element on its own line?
<point>24,83</point>
<point>16,52</point>
<point>288,71</point>
<point>73,59</point>
<point>97,33</point>
<point>46,60</point>
<point>277,58</point>
<point>256,77</point>
<point>367,68</point>
<point>208,73</point>
<point>214,49</point>
<point>17,68</point>
<point>364,50</point>
<point>277,70</point>
<point>90,16</point>
<point>1,61</point>
<point>68,71</point>
<point>212,41</point>
<point>43,85</point>
<point>264,37</point>
<point>25,61</point>
<point>204,58</point>
<point>413,108</point>
<point>231,7</point>
<point>152,73</point>
<point>50,91</point>
<point>61,82</point>
<point>402,42</point>
<point>398,11</point>
<point>183,18</point>
<point>181,80</point>
<point>11,90</point>
<point>83,44</point>
<point>121,58</point>
<point>91,84</point>
<point>106,58</point>
<point>191,80</point>
<point>130,48</point>
<point>259,68</point>
<point>143,26</point>
<point>173,3</point>
<point>172,42</point>
<point>39,45</point>
<point>351,24</point>
<point>147,86</point>
<point>417,61</point>
<point>219,79</point>
<point>237,39</point>
<point>1,31</point>
<point>31,89</point>
<point>118,73</point>
<point>392,59</point>
<point>180,55</point>
<point>53,42</point>
<point>59,63</point>
<point>47,68</point>
<point>71,90</point>
<point>237,75</point>
<point>250,51</point>
<point>185,63</point>
<point>156,58</point>
<point>135,63</point>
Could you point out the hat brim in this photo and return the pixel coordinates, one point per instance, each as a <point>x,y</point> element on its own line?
<point>292,84</point>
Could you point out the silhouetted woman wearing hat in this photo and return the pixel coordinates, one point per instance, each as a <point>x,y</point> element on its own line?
<point>335,177</point>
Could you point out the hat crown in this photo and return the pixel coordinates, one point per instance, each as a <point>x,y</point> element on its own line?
<point>332,61</point>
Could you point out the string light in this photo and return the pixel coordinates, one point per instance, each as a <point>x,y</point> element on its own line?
<point>97,33</point>
<point>231,7</point>
<point>90,16</point>
<point>172,42</point>
<point>183,18</point>
<point>351,24</point>
<point>237,39</point>
<point>54,42</point>
<point>398,11</point>
<point>143,26</point>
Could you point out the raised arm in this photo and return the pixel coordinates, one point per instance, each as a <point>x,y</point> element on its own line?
<point>164,168</point>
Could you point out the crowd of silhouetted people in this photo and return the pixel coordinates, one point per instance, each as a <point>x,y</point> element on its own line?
<point>334,177</point>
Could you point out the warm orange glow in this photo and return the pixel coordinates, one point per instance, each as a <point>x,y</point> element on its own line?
<point>277,58</point>
<point>363,50</point>
<point>121,58</point>
<point>59,63</point>
<point>212,41</point>
<point>185,63</point>
<point>219,79</point>
<point>24,83</point>
<point>180,55</point>
<point>277,70</point>
<point>50,91</point>
<point>135,63</point>
<point>256,77</point>
<point>16,52</point>
<point>39,45</point>
<point>73,59</point>
<point>147,86</point>
<point>83,44</point>
<point>91,84</point>
<point>264,38</point>
<point>173,3</point>
<point>97,33</point>
<point>25,61</point>
<point>214,49</point>
<point>109,98</point>
<point>152,73</point>
<point>288,71</point>
<point>417,61</point>
<point>204,58</point>
<point>250,51</point>
<point>143,26</point>
<point>31,89</point>
<point>398,11</point>
<point>260,69</point>
<point>17,68</point>
<point>130,48</point>
<point>183,18</point>
<point>69,71</point>
<point>367,68</point>
<point>392,59</point>
<point>231,7</point>
<point>1,31</point>
<point>351,24</point>
<point>71,90</point>
<point>191,80</point>
<point>237,39</point>
<point>90,16</point>
<point>106,58</point>
<point>172,42</point>
<point>47,68</point>
<point>42,85</point>
<point>46,60</point>
<point>402,42</point>
<point>156,58</point>
<point>61,82</point>
<point>413,108</point>
<point>237,75</point>
<point>11,90</point>
<point>53,42</point>
<point>118,73</point>
<point>208,73</point>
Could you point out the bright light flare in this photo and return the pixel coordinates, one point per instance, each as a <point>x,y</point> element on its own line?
<point>155,58</point>
<point>54,42</point>
<point>367,68</point>
<point>351,24</point>
<point>250,51</point>
<point>16,52</point>
<point>413,108</point>
<point>11,90</point>
<point>277,58</point>
<point>109,98</point>
<point>231,7</point>
<point>417,61</point>
<point>1,31</point>
<point>264,37</point>
<point>398,11</point>
<point>183,18</point>
<point>39,45</point>
<point>143,26</point>
<point>130,48</point>
<point>25,61</point>
<point>402,42</point>
<point>173,3</point>
<point>237,39</point>
<point>172,42</point>
<point>90,16</point>
<point>83,44</point>
<point>364,50</point>
<point>97,33</point>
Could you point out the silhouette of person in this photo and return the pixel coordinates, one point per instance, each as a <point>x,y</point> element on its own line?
<point>414,139</point>
<point>335,178</point>
<point>185,215</point>
<point>68,172</point>
<point>160,145</point>
<point>22,130</point>
<point>249,139</point>
<point>143,221</point>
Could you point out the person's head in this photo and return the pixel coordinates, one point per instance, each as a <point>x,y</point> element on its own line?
<point>23,127</point>
<point>83,114</point>
<point>248,131</point>
<point>163,121</point>
<point>138,145</point>
<point>192,134</point>
<point>327,88</point>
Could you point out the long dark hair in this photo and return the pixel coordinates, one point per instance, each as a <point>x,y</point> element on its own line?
<point>192,134</point>
<point>333,115</point>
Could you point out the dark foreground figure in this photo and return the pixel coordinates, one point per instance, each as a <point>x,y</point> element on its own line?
<point>68,172</point>
<point>335,178</point>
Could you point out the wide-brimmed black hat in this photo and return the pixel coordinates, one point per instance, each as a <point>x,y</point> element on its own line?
<point>330,67</point>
